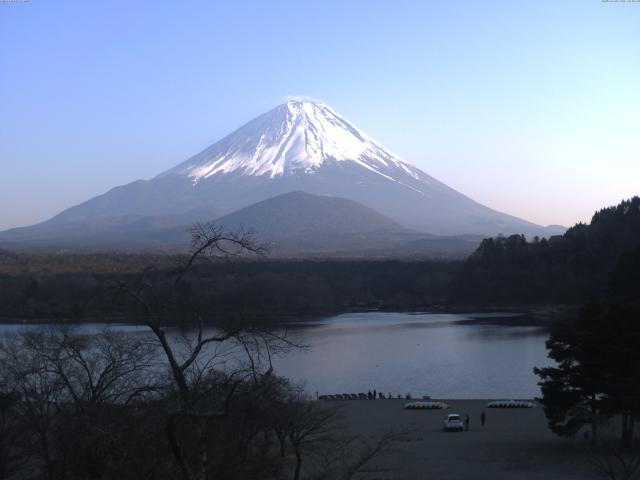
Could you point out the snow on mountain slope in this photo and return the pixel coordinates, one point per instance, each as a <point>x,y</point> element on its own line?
<point>296,137</point>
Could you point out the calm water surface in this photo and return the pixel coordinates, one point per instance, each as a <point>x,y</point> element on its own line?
<point>424,354</point>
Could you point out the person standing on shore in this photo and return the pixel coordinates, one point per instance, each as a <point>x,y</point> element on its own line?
<point>466,422</point>
<point>483,418</point>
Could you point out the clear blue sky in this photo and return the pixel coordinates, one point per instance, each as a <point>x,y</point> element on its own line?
<point>531,107</point>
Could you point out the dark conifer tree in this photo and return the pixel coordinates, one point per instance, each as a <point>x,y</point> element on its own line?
<point>573,392</point>
<point>598,360</point>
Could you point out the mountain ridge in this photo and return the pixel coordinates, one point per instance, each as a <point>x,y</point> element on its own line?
<point>298,146</point>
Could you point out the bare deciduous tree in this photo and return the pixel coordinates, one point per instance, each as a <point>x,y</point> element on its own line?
<point>241,352</point>
<point>195,396</point>
<point>59,376</point>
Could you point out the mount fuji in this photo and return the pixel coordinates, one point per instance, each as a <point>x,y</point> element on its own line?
<point>297,146</point>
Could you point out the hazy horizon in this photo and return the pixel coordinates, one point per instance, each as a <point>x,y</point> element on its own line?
<point>528,109</point>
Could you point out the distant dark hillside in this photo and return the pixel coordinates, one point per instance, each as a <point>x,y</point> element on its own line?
<point>298,213</point>
<point>573,267</point>
<point>302,225</point>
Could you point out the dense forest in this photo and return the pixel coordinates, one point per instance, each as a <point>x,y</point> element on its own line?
<point>244,287</point>
<point>504,271</point>
<point>593,388</point>
<point>570,268</point>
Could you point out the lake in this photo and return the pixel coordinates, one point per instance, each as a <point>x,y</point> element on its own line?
<point>425,354</point>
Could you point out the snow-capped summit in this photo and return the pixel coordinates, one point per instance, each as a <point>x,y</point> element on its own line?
<point>298,136</point>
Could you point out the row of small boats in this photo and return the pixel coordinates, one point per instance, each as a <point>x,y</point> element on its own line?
<point>353,396</point>
<point>345,396</point>
<point>426,406</point>
<point>434,405</point>
<point>510,404</point>
<point>362,396</point>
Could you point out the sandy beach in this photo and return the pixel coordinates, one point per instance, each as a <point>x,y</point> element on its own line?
<point>514,443</point>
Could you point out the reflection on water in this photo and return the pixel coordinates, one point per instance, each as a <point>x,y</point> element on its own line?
<point>425,354</point>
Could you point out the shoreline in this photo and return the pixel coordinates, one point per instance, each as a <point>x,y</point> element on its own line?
<point>514,443</point>
<point>524,316</point>
<point>442,399</point>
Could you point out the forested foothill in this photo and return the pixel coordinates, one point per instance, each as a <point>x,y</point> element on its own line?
<point>567,269</point>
